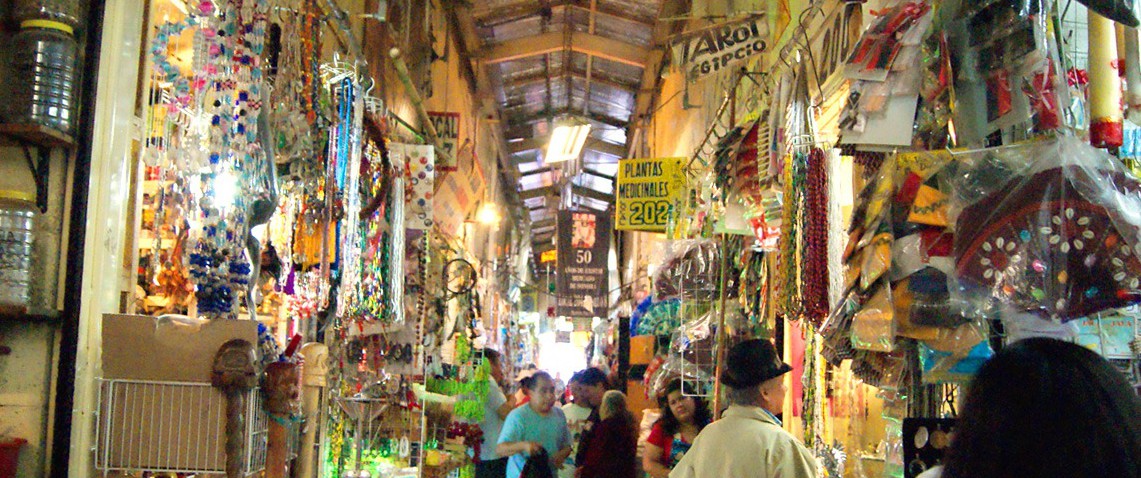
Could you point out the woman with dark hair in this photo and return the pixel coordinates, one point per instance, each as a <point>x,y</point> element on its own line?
<point>682,419</point>
<point>1046,408</point>
<point>535,427</point>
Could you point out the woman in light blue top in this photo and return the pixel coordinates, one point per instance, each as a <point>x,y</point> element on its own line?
<point>537,426</point>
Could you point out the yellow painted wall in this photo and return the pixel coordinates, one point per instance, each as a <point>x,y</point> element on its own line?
<point>679,123</point>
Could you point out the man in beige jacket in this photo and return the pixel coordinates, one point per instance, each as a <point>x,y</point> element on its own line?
<point>748,441</point>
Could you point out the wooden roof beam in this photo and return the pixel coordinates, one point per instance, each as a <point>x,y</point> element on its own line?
<point>599,46</point>
<point>541,78</point>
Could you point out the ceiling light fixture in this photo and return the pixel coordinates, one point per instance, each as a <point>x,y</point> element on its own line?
<point>566,142</point>
<point>488,215</point>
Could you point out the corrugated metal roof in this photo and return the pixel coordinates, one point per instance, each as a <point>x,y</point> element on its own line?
<point>533,90</point>
<point>594,182</point>
<point>532,203</point>
<point>592,203</point>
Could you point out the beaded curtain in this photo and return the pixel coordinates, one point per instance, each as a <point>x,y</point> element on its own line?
<point>208,126</point>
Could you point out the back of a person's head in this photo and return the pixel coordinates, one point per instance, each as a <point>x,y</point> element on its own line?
<point>591,376</point>
<point>492,355</point>
<point>613,403</point>
<point>1046,408</point>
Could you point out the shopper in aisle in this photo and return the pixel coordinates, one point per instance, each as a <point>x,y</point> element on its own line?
<point>613,451</point>
<point>682,419</point>
<point>591,385</point>
<point>748,441</point>
<point>523,384</point>
<point>1046,408</point>
<point>578,413</point>
<point>537,426</point>
<point>496,408</point>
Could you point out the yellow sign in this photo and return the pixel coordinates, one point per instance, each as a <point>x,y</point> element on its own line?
<point>548,256</point>
<point>648,191</point>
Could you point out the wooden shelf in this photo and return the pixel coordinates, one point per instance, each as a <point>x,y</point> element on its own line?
<point>19,134</point>
<point>24,314</point>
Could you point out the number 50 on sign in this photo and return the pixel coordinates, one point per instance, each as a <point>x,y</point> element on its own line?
<point>648,190</point>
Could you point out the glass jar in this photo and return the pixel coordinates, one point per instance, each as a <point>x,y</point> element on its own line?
<point>63,11</point>
<point>17,219</point>
<point>41,90</point>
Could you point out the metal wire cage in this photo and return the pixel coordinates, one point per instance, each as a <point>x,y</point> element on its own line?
<point>175,427</point>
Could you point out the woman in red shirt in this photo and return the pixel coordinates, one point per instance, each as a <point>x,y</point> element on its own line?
<point>613,448</point>
<point>682,419</point>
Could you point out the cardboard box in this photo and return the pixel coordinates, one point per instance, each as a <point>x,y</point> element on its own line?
<point>137,347</point>
<point>642,349</point>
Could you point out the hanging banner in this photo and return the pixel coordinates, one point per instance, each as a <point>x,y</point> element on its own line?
<point>420,180</point>
<point>461,191</point>
<point>648,189</point>
<point>719,48</point>
<point>584,243</point>
<point>448,129</point>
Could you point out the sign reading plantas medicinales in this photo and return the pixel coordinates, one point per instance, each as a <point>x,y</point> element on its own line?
<point>584,247</point>
<point>648,191</point>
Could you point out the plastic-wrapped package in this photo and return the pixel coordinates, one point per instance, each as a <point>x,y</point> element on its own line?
<point>1055,235</point>
<point>932,302</point>
<point>908,256</point>
<point>876,260</point>
<point>835,330</point>
<point>881,43</point>
<point>693,268</point>
<point>956,355</point>
<point>873,327</point>
<point>660,318</point>
<point>1020,325</point>
<point>936,93</point>
<point>904,301</point>
<point>1006,71</point>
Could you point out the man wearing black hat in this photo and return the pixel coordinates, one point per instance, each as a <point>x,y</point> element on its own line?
<point>748,440</point>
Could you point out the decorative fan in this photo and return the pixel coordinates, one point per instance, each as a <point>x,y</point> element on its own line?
<point>1042,245</point>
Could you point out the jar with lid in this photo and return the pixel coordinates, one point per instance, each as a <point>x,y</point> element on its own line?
<point>17,221</point>
<point>41,90</point>
<point>63,11</point>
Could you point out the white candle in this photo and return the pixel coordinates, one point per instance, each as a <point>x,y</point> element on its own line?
<point>1105,85</point>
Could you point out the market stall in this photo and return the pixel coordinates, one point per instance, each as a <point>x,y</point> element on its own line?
<point>912,195</point>
<point>280,201</point>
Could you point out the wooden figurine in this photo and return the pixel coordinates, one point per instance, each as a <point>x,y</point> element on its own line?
<point>313,379</point>
<point>282,392</point>
<point>235,373</point>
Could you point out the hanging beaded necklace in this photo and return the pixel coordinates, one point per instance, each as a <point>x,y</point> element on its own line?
<point>815,267</point>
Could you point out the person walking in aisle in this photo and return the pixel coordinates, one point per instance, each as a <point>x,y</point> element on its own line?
<point>534,428</point>
<point>613,450</point>
<point>578,413</point>
<point>591,385</point>
<point>496,408</point>
<point>682,419</point>
<point>1042,408</point>
<point>749,441</point>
